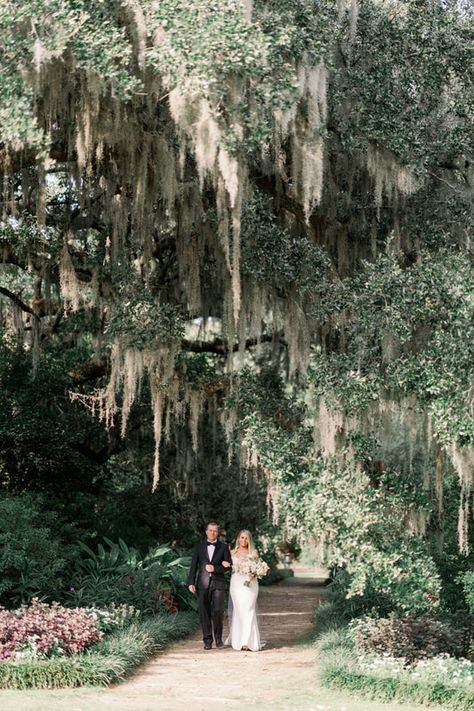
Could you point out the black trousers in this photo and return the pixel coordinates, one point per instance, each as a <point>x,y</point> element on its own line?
<point>211,612</point>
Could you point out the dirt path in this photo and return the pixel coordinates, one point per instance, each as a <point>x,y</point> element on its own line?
<point>285,615</point>
<point>282,677</point>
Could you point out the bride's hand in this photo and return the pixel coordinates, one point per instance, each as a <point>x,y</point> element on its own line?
<point>226,564</point>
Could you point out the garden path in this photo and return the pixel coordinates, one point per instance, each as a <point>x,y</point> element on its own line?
<point>282,677</point>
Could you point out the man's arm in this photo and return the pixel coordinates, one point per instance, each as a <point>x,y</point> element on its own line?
<point>193,569</point>
<point>219,568</point>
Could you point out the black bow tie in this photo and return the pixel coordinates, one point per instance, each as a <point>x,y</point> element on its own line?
<point>211,543</point>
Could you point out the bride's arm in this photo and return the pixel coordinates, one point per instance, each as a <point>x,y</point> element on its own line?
<point>227,562</point>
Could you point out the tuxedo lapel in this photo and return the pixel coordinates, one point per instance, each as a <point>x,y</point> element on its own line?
<point>206,552</point>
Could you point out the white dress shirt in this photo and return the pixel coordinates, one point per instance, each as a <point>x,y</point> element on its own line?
<point>210,550</point>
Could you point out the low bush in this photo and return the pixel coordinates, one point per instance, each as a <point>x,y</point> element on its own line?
<point>276,575</point>
<point>57,673</point>
<point>396,689</point>
<point>109,661</point>
<point>413,638</point>
<point>46,630</point>
<point>441,679</point>
<point>114,616</point>
<point>437,681</point>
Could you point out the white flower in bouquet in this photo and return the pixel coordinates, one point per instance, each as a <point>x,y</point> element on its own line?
<point>252,567</point>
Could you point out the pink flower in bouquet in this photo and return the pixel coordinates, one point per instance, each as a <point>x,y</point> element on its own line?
<point>253,568</point>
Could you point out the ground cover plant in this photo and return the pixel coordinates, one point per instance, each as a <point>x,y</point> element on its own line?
<point>116,656</point>
<point>46,630</point>
<point>442,680</point>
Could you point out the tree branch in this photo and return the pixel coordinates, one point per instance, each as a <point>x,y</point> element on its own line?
<point>16,299</point>
<point>221,347</point>
<point>97,368</point>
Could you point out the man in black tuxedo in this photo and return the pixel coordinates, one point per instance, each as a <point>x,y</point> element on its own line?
<point>208,556</point>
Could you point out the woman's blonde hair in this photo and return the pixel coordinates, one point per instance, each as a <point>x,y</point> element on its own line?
<point>252,548</point>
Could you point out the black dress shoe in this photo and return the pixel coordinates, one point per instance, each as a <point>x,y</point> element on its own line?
<point>208,646</point>
<point>219,643</point>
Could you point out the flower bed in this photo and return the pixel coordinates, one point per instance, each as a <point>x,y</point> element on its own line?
<point>46,630</point>
<point>107,662</point>
<point>440,680</point>
<point>452,671</point>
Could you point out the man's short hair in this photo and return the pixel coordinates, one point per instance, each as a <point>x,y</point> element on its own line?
<point>212,523</point>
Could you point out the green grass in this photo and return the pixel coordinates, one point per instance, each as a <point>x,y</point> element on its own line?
<point>107,662</point>
<point>393,689</point>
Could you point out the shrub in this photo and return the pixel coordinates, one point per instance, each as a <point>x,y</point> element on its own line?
<point>31,557</point>
<point>350,606</point>
<point>114,616</point>
<point>411,638</point>
<point>122,575</point>
<point>440,680</point>
<point>46,630</point>
<point>468,587</point>
<point>276,575</point>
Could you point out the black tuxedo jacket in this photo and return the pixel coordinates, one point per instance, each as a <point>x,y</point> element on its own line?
<point>198,566</point>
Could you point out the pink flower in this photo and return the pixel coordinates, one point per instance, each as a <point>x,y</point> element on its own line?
<point>46,629</point>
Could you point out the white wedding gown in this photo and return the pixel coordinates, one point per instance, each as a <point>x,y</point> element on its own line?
<point>243,623</point>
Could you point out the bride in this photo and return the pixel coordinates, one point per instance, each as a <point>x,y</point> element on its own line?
<point>244,632</point>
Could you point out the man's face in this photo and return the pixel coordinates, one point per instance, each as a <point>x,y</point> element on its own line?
<point>212,533</point>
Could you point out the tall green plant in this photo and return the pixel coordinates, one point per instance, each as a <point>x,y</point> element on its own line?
<point>118,574</point>
<point>32,557</point>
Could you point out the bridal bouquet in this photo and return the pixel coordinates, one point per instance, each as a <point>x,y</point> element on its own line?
<point>252,568</point>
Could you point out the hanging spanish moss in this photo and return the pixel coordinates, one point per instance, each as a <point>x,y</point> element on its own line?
<point>69,283</point>
<point>463,462</point>
<point>328,428</point>
<point>390,178</point>
<point>228,215</point>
